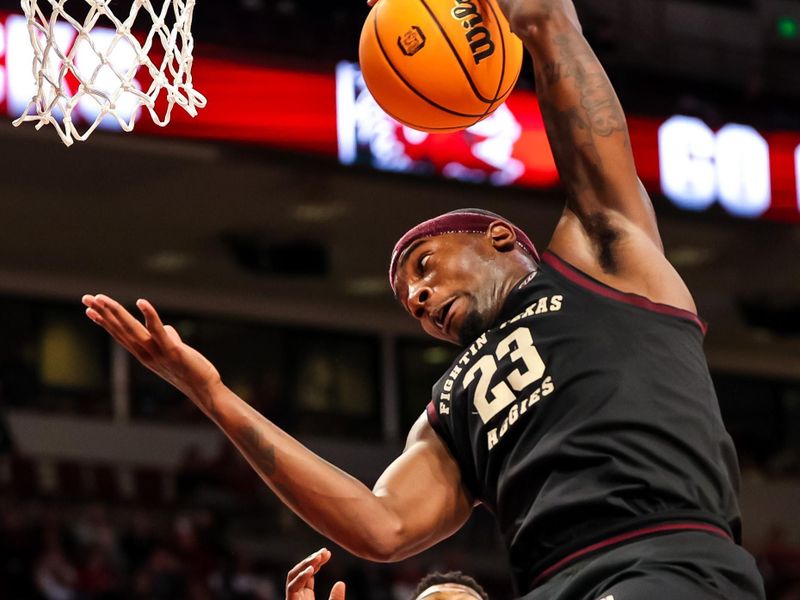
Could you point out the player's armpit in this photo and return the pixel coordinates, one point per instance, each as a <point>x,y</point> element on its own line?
<point>423,489</point>
<point>622,256</point>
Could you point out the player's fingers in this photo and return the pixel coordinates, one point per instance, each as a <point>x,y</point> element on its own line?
<point>113,310</point>
<point>153,322</point>
<point>101,311</point>
<point>104,320</point>
<point>315,561</point>
<point>337,592</point>
<point>300,581</point>
<point>324,556</point>
<point>372,2</point>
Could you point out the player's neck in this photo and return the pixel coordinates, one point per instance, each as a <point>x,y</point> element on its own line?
<point>514,278</point>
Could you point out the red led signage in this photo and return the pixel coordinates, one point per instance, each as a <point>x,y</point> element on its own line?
<point>749,173</point>
<point>250,103</point>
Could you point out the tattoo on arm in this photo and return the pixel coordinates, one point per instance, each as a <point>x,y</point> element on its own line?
<point>580,107</point>
<point>574,151</point>
<point>262,454</point>
<point>575,60</point>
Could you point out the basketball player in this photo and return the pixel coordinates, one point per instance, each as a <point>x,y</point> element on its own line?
<point>435,586</point>
<point>580,413</point>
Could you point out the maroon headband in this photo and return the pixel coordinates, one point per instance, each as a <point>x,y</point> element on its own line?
<point>454,222</point>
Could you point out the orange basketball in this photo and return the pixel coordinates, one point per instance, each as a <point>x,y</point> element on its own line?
<point>439,65</point>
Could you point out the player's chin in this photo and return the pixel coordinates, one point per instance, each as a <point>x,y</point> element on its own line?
<point>472,325</point>
<point>437,333</point>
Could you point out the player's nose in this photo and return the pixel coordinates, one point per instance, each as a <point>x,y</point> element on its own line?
<point>418,297</point>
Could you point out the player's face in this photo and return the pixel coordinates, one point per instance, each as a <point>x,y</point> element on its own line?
<point>451,284</point>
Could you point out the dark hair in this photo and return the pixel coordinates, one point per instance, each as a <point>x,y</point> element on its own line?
<point>458,577</point>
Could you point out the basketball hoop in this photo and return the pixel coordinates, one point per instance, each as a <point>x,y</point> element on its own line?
<point>90,71</point>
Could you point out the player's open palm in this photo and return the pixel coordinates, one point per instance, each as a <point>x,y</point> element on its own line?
<point>156,346</point>
<point>300,580</point>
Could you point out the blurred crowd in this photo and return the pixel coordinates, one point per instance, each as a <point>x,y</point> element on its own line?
<point>216,532</point>
<point>61,551</point>
<point>220,535</point>
<point>779,563</point>
<point>55,548</point>
<point>89,552</point>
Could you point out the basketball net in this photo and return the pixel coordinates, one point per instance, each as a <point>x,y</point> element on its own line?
<point>105,74</point>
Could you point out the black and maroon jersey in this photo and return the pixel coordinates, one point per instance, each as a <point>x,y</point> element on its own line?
<point>585,417</point>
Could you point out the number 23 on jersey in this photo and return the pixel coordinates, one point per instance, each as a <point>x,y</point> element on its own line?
<point>519,349</point>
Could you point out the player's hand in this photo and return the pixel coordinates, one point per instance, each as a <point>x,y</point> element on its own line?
<point>300,580</point>
<point>372,2</point>
<point>156,346</point>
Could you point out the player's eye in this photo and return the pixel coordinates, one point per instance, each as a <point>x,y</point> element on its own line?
<point>423,261</point>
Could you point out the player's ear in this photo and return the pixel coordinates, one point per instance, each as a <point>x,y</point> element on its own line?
<point>502,236</point>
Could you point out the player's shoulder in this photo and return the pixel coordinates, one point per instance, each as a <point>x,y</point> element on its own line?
<point>629,259</point>
<point>424,440</point>
<point>421,431</point>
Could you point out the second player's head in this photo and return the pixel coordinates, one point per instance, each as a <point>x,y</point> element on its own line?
<point>453,272</point>
<point>449,586</point>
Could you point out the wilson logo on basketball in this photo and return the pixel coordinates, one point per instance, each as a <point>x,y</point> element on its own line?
<point>478,37</point>
<point>412,41</point>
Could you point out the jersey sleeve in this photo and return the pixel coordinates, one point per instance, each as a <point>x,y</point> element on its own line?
<point>442,430</point>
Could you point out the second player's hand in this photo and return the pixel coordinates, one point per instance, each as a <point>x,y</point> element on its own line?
<point>300,580</point>
<point>156,346</point>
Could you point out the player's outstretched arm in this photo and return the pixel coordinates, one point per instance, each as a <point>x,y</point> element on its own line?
<point>417,502</point>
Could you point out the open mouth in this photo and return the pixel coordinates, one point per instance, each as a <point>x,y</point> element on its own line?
<point>441,316</point>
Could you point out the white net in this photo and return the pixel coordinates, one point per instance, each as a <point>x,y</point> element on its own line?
<point>91,71</point>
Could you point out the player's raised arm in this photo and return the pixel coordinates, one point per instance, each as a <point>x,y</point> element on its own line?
<point>588,134</point>
<point>416,503</point>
